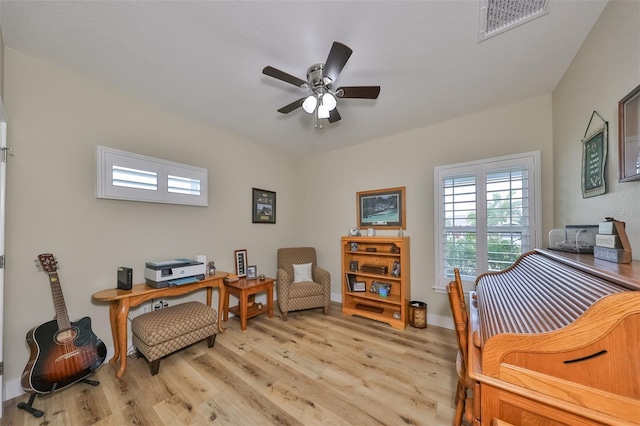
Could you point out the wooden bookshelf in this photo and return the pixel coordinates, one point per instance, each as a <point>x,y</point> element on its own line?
<point>391,253</point>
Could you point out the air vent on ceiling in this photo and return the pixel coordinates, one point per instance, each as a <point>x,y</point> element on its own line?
<point>498,16</point>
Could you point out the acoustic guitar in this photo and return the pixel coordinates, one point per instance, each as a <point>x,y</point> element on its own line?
<point>62,352</point>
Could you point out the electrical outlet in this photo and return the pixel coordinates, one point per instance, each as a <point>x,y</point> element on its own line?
<point>160,304</point>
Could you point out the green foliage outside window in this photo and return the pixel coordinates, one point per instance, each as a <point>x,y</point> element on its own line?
<point>503,248</point>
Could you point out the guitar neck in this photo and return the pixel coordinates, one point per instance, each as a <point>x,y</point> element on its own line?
<point>62,317</point>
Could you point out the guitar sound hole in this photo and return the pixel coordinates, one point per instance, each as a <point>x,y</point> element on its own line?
<point>65,336</point>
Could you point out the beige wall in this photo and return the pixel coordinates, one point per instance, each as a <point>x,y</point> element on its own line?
<point>56,119</point>
<point>606,68</point>
<point>407,159</point>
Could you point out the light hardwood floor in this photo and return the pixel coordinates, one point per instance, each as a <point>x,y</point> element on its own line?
<point>311,370</point>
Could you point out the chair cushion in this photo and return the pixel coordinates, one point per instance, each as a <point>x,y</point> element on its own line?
<point>302,273</point>
<point>305,289</point>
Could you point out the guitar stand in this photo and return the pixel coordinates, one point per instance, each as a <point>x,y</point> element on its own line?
<point>28,407</point>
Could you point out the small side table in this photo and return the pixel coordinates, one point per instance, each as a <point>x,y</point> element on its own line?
<point>245,290</point>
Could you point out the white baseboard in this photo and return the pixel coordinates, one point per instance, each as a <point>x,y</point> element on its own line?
<point>12,389</point>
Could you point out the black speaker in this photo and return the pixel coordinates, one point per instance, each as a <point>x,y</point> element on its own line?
<point>125,278</point>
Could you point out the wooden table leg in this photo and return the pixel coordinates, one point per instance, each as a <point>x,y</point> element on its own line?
<point>222,296</point>
<point>121,327</point>
<point>113,313</point>
<point>244,302</point>
<point>225,306</point>
<point>270,300</point>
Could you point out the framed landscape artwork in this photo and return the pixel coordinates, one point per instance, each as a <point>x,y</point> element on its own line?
<point>382,208</point>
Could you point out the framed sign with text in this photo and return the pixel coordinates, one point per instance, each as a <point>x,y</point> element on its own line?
<point>594,160</point>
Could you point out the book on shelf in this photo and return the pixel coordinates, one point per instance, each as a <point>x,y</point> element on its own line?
<point>350,278</point>
<point>608,240</point>
<point>612,254</point>
<point>610,227</point>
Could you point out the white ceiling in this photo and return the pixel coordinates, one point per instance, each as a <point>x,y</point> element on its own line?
<point>204,59</point>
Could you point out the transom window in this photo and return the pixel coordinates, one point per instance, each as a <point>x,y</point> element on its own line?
<point>126,176</point>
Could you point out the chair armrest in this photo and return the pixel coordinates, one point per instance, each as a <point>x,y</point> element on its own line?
<point>283,281</point>
<point>321,276</point>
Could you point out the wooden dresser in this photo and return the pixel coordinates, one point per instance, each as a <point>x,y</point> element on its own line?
<point>555,340</point>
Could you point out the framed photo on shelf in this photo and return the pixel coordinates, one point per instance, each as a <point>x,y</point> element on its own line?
<point>359,286</point>
<point>382,208</point>
<point>377,285</point>
<point>353,266</point>
<point>395,270</point>
<point>252,272</point>
<point>353,246</point>
<point>263,203</point>
<point>241,262</point>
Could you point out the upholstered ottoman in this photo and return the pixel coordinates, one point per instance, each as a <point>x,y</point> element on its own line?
<point>161,332</point>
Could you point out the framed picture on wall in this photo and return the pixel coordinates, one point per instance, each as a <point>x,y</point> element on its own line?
<point>382,208</point>
<point>594,160</point>
<point>263,203</point>
<point>629,136</point>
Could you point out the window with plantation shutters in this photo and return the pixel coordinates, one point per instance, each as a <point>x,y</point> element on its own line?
<point>126,176</point>
<point>486,215</point>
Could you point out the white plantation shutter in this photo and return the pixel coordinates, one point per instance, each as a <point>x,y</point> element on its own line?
<point>507,216</point>
<point>459,205</point>
<point>134,178</point>
<point>126,176</point>
<point>486,215</point>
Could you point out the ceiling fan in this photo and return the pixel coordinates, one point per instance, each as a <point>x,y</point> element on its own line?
<point>322,100</point>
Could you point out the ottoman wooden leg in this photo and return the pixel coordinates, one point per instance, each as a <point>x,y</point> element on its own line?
<point>154,366</point>
<point>211,340</point>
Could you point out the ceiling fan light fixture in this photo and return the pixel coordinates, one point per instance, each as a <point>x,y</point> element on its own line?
<point>329,101</point>
<point>323,112</point>
<point>309,104</point>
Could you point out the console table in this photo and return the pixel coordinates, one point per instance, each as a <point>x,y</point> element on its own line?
<point>121,300</point>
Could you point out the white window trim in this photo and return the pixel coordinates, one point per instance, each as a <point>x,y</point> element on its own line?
<point>107,157</point>
<point>535,217</point>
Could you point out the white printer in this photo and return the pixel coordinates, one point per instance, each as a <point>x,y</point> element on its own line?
<point>173,272</point>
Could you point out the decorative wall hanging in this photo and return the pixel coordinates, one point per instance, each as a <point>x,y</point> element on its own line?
<point>594,159</point>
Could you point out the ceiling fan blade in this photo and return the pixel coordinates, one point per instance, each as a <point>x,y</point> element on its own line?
<point>292,106</point>
<point>334,115</point>
<point>281,75</point>
<point>362,92</point>
<point>338,57</point>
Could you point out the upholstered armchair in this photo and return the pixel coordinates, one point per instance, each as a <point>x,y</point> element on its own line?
<point>301,283</point>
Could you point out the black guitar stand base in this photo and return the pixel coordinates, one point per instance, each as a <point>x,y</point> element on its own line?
<point>28,407</point>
